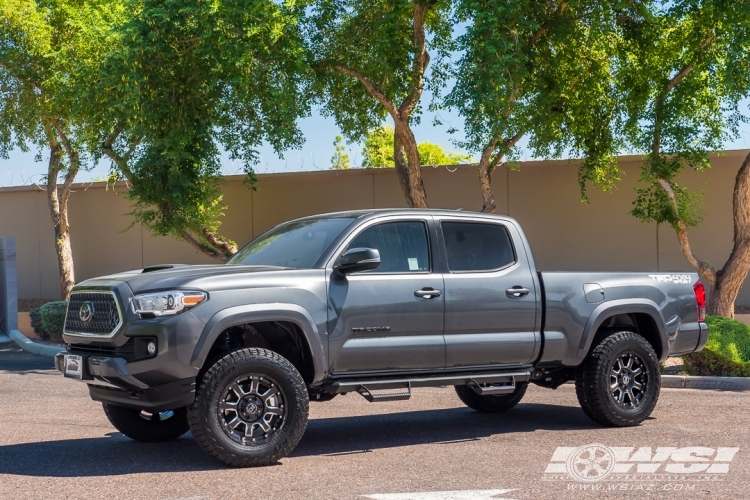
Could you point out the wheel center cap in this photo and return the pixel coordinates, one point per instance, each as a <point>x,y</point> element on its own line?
<point>625,379</point>
<point>251,408</point>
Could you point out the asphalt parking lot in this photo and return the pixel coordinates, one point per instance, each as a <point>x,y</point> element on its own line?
<point>56,443</point>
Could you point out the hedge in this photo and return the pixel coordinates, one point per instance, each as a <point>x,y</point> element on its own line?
<point>49,319</point>
<point>727,352</point>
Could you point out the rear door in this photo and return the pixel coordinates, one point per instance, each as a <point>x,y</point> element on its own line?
<point>490,295</point>
<point>386,318</point>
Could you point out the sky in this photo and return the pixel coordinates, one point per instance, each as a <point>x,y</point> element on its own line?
<point>320,132</point>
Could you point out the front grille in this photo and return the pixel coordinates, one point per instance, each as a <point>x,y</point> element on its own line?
<point>104,320</point>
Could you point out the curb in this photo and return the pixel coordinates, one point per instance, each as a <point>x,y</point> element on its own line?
<point>698,382</point>
<point>33,347</point>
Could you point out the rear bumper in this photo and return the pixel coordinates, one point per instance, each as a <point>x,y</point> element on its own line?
<point>703,338</point>
<point>110,382</point>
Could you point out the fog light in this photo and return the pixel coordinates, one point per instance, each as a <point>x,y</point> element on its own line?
<point>151,347</point>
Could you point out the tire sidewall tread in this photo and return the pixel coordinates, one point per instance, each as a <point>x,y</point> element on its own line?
<point>203,417</point>
<point>592,380</point>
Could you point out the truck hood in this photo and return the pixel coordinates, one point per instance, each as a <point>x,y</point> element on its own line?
<point>172,276</point>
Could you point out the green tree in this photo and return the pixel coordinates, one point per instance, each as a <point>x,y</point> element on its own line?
<point>371,59</point>
<point>340,160</point>
<point>541,70</point>
<point>184,80</point>
<point>378,151</point>
<point>682,69</point>
<point>45,50</point>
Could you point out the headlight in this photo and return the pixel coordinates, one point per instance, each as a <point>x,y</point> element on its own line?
<point>166,303</point>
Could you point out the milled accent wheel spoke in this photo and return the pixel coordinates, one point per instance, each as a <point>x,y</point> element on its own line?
<point>629,364</point>
<point>269,393</point>
<point>237,389</point>
<point>254,384</point>
<point>234,423</point>
<point>274,411</point>
<point>264,426</point>
<point>228,406</point>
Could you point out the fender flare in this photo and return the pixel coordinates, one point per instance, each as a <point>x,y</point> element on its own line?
<point>253,313</point>
<point>623,306</point>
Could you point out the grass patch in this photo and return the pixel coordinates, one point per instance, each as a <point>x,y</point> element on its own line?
<point>727,352</point>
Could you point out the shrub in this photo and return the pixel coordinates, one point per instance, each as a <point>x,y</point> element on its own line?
<point>53,318</point>
<point>727,352</point>
<point>36,323</point>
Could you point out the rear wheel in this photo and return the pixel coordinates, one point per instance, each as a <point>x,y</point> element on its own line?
<point>490,404</point>
<point>149,427</point>
<point>619,382</point>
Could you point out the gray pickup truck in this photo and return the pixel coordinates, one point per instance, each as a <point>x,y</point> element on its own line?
<point>374,302</point>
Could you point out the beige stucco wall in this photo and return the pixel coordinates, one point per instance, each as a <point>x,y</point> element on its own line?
<point>565,234</point>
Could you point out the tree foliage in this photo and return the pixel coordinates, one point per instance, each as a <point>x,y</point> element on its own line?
<point>541,70</point>
<point>371,59</point>
<point>378,151</point>
<point>45,50</point>
<point>186,80</point>
<point>682,68</point>
<point>340,160</point>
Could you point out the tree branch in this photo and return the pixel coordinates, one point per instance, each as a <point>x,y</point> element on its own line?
<point>73,168</point>
<point>703,268</point>
<point>371,88</point>
<point>220,243</point>
<point>211,252</point>
<point>421,61</point>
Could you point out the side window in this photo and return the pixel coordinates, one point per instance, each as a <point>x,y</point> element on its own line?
<point>402,245</point>
<point>477,247</point>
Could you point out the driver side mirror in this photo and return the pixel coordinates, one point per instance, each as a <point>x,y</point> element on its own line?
<point>356,260</point>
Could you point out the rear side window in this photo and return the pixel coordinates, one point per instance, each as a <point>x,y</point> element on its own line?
<point>402,245</point>
<point>477,247</point>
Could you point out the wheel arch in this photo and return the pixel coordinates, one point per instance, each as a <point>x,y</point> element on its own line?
<point>261,315</point>
<point>642,315</point>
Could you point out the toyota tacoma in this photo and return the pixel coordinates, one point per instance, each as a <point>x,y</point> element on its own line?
<point>374,302</point>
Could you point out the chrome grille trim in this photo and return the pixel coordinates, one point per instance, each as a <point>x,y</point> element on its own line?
<point>101,333</point>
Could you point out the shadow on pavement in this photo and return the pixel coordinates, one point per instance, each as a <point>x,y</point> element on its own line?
<point>106,456</point>
<point>344,435</point>
<point>117,455</point>
<point>15,359</point>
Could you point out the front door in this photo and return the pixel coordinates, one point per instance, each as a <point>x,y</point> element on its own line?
<point>386,319</point>
<point>490,295</point>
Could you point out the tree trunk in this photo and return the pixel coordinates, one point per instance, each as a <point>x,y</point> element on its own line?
<point>732,276</point>
<point>485,181</point>
<point>59,213</point>
<point>406,159</point>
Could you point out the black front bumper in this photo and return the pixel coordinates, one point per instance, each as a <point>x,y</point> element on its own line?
<point>110,382</point>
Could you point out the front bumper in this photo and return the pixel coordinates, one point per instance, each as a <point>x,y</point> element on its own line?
<point>110,382</point>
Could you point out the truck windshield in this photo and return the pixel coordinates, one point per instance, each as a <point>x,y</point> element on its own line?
<point>294,244</point>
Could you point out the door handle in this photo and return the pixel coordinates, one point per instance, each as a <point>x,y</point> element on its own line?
<point>517,291</point>
<point>428,293</point>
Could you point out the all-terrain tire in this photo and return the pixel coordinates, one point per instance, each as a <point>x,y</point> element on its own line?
<point>223,432</point>
<point>148,427</point>
<point>497,403</point>
<point>598,374</point>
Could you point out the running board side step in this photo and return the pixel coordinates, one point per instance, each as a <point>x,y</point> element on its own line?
<point>400,388</point>
<point>490,389</point>
<point>377,397</point>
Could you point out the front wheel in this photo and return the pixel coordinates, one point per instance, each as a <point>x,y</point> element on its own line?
<point>619,382</point>
<point>148,427</point>
<point>492,403</point>
<point>250,408</point>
